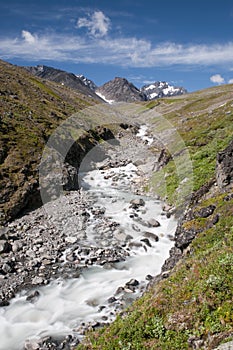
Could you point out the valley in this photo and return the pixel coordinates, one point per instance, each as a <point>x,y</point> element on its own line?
<point>116,219</point>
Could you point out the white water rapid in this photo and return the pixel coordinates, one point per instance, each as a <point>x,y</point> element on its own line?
<point>63,305</point>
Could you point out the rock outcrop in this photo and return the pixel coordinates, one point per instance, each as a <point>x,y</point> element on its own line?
<point>224,168</point>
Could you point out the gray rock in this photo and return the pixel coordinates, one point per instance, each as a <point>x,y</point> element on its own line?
<point>151,236</point>
<point>5,247</point>
<point>37,280</point>
<point>31,345</point>
<point>71,239</point>
<point>133,282</point>
<point>135,228</point>
<point>146,241</point>
<point>153,223</point>
<point>226,346</point>
<point>8,267</point>
<point>224,168</point>
<point>17,246</point>
<point>33,296</point>
<point>137,202</point>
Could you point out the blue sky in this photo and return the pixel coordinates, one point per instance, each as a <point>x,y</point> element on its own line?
<point>187,43</point>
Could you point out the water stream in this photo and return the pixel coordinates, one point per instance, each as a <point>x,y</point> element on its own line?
<point>63,305</point>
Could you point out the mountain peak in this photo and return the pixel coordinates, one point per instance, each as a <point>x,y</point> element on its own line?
<point>120,90</point>
<point>70,80</point>
<point>161,89</point>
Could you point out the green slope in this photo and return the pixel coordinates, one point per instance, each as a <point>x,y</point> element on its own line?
<point>30,109</point>
<point>193,307</point>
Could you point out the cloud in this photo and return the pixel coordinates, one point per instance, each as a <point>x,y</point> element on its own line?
<point>121,51</point>
<point>28,37</point>
<point>97,24</point>
<point>230,81</point>
<point>217,78</point>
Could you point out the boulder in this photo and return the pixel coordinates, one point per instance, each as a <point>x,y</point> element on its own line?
<point>224,168</point>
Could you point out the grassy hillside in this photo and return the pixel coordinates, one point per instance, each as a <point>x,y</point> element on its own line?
<point>193,307</point>
<point>30,109</point>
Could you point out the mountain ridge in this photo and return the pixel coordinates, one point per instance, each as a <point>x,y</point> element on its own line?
<point>67,79</point>
<point>118,89</point>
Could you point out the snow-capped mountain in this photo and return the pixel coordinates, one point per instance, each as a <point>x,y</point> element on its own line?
<point>116,90</point>
<point>161,89</point>
<point>70,80</point>
<point>89,83</point>
<point>120,90</point>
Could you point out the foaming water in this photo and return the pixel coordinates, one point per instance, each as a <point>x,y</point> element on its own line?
<point>65,304</point>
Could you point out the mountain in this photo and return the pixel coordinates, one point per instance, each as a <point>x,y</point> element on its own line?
<point>120,90</point>
<point>188,306</point>
<point>30,109</point>
<point>75,82</point>
<point>89,83</point>
<point>161,89</point>
<point>116,90</point>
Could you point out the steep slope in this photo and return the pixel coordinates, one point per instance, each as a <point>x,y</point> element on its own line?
<point>189,306</point>
<point>71,80</point>
<point>30,110</point>
<point>89,83</point>
<point>120,90</point>
<point>161,89</point>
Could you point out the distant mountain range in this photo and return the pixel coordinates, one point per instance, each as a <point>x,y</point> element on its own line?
<point>162,89</point>
<point>116,90</point>
<point>70,80</point>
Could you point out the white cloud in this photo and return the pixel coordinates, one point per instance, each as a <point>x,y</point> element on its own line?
<point>28,37</point>
<point>230,81</point>
<point>119,51</point>
<point>217,78</point>
<point>97,24</point>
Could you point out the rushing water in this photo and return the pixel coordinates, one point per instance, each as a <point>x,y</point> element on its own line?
<point>64,304</point>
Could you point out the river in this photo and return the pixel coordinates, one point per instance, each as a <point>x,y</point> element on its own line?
<point>122,220</point>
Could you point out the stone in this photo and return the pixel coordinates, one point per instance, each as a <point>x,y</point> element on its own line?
<point>205,212</point>
<point>8,267</point>
<point>17,246</point>
<point>71,239</point>
<point>149,277</point>
<point>111,300</point>
<point>133,282</point>
<point>138,202</point>
<point>5,247</point>
<point>135,244</point>
<point>226,346</point>
<point>31,345</point>
<point>135,228</point>
<point>146,241</point>
<point>153,223</point>
<point>3,233</point>
<point>37,280</point>
<point>151,236</point>
<point>4,303</point>
<point>33,296</point>
<point>224,168</point>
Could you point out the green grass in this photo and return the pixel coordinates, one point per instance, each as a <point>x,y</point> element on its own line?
<point>195,301</point>
<point>203,135</point>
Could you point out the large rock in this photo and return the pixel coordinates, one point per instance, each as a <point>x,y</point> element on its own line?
<point>224,168</point>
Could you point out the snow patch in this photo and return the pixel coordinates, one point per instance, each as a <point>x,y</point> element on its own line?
<point>104,98</point>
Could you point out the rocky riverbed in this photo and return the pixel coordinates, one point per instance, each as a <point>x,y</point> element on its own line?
<point>75,262</point>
